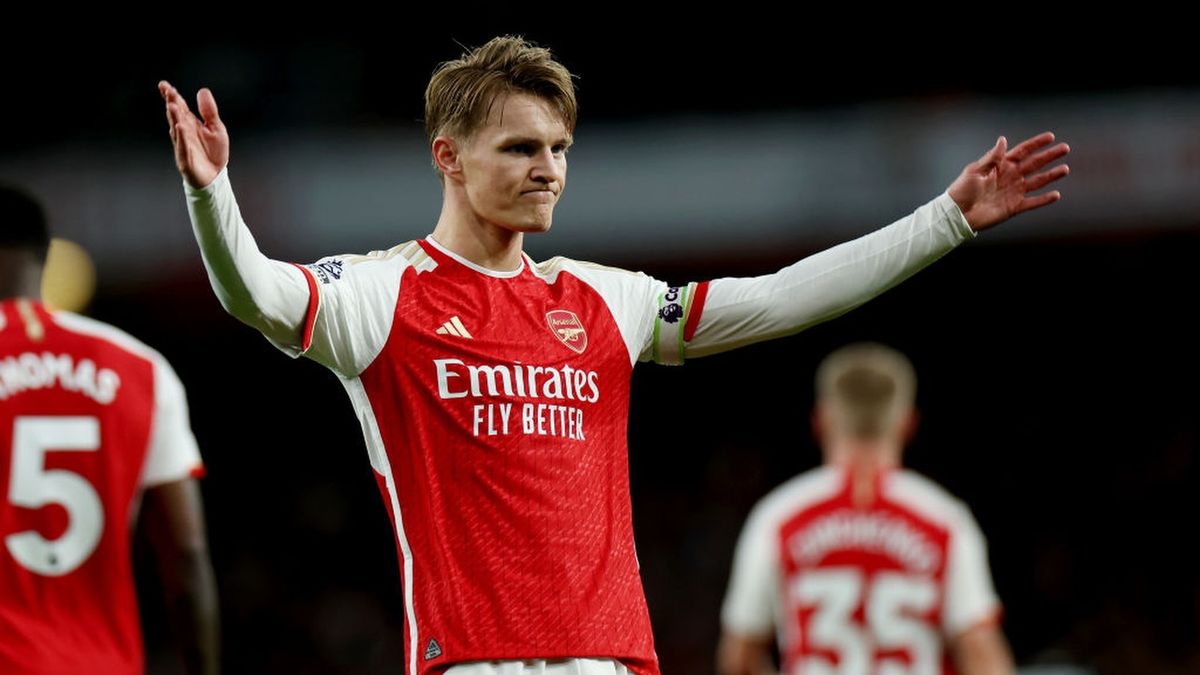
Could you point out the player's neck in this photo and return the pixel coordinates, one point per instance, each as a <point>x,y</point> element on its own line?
<point>484,244</point>
<point>865,461</point>
<point>18,278</point>
<point>878,453</point>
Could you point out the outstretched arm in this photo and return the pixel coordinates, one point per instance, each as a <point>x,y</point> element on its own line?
<point>270,295</point>
<point>174,521</point>
<point>990,190</point>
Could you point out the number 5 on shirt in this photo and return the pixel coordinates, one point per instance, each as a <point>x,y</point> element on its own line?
<point>33,486</point>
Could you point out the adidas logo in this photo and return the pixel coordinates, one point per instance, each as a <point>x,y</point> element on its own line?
<point>432,650</point>
<point>456,328</point>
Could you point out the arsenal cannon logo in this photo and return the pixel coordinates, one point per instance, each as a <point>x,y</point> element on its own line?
<point>568,328</point>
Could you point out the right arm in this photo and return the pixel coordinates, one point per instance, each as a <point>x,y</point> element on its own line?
<point>336,312</point>
<point>266,294</point>
<point>747,614</point>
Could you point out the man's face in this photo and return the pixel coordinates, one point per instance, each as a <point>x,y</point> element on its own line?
<point>515,167</point>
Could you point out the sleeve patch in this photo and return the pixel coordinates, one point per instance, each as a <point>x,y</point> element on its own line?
<point>326,271</point>
<point>669,324</point>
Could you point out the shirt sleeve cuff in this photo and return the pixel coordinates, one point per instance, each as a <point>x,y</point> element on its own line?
<point>952,215</point>
<point>221,182</point>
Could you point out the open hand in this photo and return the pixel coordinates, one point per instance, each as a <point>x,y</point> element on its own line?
<point>201,143</point>
<point>997,186</point>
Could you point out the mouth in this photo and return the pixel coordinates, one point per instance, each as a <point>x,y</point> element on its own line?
<point>540,195</point>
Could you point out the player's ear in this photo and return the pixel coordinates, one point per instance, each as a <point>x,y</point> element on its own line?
<point>446,156</point>
<point>820,422</point>
<point>909,424</point>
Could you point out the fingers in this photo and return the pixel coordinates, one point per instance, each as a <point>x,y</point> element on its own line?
<point>991,157</point>
<point>177,107</point>
<point>1037,202</point>
<point>168,94</point>
<point>165,90</point>
<point>1028,147</point>
<point>178,116</point>
<point>180,122</point>
<point>177,110</point>
<point>207,105</point>
<point>181,147</point>
<point>1044,157</point>
<point>171,95</point>
<point>1041,180</point>
<point>171,121</point>
<point>178,136</point>
<point>175,123</point>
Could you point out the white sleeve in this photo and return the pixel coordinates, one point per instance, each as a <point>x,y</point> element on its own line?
<point>970,598</point>
<point>750,601</point>
<point>352,308</point>
<point>649,314</point>
<point>173,454</point>
<point>737,312</point>
<point>269,295</point>
<point>329,311</point>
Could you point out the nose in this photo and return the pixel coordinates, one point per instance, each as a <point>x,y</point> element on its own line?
<point>547,168</point>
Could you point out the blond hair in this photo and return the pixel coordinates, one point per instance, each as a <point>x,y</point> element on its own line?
<point>461,93</point>
<point>869,387</point>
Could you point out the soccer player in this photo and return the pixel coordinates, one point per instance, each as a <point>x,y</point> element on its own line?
<point>861,566</point>
<point>493,390</point>
<point>91,422</point>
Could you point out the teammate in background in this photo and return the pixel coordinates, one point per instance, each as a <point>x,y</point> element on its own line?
<point>493,391</point>
<point>91,421</point>
<point>861,566</point>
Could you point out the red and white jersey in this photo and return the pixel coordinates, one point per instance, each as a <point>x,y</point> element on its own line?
<point>88,417</point>
<point>860,589</point>
<point>495,406</point>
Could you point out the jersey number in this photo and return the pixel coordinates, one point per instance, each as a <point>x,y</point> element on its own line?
<point>893,604</point>
<point>33,486</point>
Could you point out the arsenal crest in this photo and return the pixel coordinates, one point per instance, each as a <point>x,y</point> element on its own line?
<point>568,328</point>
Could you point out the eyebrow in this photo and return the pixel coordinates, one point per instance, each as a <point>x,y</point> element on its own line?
<point>519,140</point>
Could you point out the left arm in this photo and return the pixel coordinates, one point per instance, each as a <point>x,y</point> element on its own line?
<point>970,609</point>
<point>174,520</point>
<point>982,650</point>
<point>748,610</point>
<point>739,654</point>
<point>997,186</point>
<point>173,517</point>
<point>820,287</point>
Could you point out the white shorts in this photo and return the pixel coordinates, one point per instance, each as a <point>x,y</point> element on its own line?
<point>541,667</point>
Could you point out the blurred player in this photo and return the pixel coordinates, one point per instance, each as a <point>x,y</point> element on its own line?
<point>493,391</point>
<point>861,566</point>
<point>91,422</point>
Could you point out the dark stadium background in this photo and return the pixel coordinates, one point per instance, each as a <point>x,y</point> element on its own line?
<point>1059,378</point>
